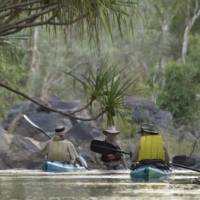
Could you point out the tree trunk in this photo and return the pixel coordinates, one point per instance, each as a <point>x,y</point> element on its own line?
<point>188,28</point>
<point>34,76</point>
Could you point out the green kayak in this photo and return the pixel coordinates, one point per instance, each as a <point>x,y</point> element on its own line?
<point>148,173</point>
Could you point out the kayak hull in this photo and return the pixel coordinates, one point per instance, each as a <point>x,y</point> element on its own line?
<point>147,173</point>
<point>61,167</point>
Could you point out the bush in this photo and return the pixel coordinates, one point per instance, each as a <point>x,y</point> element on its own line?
<point>179,93</point>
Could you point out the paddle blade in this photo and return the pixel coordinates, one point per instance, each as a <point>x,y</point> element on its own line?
<point>102,147</point>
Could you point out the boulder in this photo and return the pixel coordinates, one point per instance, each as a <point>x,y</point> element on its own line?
<point>25,142</point>
<point>144,110</point>
<point>184,160</point>
<point>4,140</point>
<point>20,152</point>
<point>189,161</point>
<point>16,124</point>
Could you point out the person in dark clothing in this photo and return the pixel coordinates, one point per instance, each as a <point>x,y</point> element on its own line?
<point>113,160</point>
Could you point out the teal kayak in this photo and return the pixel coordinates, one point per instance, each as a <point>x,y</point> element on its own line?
<point>148,172</point>
<point>61,167</point>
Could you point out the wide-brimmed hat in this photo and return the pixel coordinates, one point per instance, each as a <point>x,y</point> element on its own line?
<point>111,130</point>
<point>149,128</point>
<point>59,129</point>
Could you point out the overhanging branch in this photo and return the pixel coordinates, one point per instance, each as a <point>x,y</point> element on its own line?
<point>49,108</point>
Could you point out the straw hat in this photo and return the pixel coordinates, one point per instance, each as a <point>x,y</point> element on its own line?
<point>111,130</point>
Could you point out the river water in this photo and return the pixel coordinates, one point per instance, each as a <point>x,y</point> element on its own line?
<point>105,185</point>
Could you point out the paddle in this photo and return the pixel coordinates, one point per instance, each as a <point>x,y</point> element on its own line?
<point>36,126</point>
<point>104,147</point>
<point>83,161</point>
<point>184,167</point>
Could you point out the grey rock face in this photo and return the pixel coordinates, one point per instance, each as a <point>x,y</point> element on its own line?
<point>22,152</point>
<point>144,110</point>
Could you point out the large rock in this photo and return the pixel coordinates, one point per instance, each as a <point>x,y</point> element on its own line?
<point>25,153</point>
<point>26,142</point>
<point>144,110</point>
<point>46,120</point>
<point>184,160</point>
<point>189,161</point>
<point>4,140</point>
<point>19,152</point>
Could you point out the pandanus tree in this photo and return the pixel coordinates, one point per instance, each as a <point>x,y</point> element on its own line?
<point>89,15</point>
<point>106,89</point>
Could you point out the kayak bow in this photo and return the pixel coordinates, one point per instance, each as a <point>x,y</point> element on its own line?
<point>148,172</point>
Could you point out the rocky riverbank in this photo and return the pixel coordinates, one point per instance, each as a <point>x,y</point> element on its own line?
<point>21,144</point>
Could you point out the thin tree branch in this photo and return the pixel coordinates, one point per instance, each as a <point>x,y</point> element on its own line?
<point>49,108</point>
<point>19,5</point>
<point>34,16</point>
<point>6,14</point>
<point>18,27</point>
<point>82,108</point>
<point>69,22</point>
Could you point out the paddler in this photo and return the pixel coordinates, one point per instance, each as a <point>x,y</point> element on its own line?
<point>116,160</point>
<point>62,150</point>
<point>151,149</point>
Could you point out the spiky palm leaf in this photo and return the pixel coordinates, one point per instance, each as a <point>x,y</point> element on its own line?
<point>94,83</point>
<point>113,98</point>
<point>107,87</point>
<point>89,15</point>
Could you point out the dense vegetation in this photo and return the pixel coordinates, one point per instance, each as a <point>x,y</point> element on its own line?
<point>159,46</point>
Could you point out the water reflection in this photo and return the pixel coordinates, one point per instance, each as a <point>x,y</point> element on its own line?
<point>34,185</point>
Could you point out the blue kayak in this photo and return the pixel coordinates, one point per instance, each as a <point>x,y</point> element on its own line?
<point>148,172</point>
<point>61,167</point>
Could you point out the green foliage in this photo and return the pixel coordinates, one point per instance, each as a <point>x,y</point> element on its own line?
<point>126,125</point>
<point>12,72</point>
<point>88,16</point>
<point>194,50</point>
<point>179,93</point>
<point>106,87</point>
<point>15,76</point>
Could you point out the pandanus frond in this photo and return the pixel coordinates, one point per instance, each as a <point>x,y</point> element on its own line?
<point>90,16</point>
<point>107,87</point>
<point>114,94</point>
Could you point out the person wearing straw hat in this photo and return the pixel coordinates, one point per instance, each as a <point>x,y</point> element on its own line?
<point>62,150</point>
<point>116,160</point>
<point>151,149</point>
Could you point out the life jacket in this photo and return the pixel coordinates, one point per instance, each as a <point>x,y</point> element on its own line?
<point>151,148</point>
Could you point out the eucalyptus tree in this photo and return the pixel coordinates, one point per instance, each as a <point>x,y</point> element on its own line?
<point>192,16</point>
<point>162,32</point>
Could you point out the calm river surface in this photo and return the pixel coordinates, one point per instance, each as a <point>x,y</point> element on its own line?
<point>112,185</point>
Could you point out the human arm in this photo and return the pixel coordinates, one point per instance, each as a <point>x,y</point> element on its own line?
<point>124,162</point>
<point>45,149</point>
<point>136,153</point>
<point>75,158</point>
<point>167,159</point>
<point>135,157</point>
